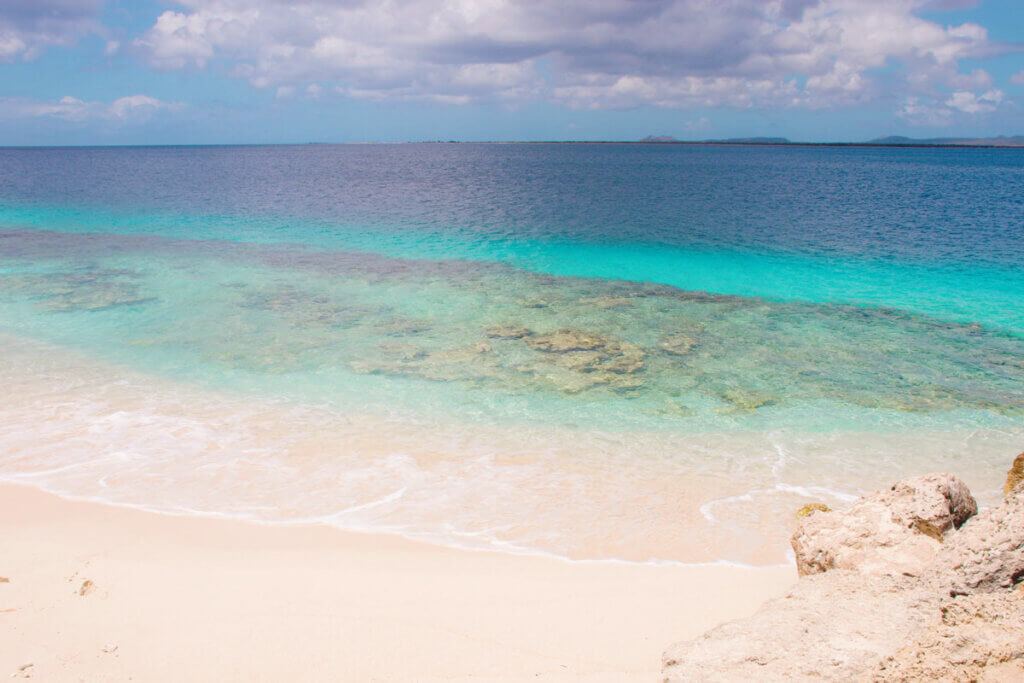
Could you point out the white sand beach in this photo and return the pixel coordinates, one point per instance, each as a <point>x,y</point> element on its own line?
<point>103,593</point>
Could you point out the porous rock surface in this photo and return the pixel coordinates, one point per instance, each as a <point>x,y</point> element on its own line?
<point>977,638</point>
<point>909,584</point>
<point>829,626</point>
<point>986,555</point>
<point>895,530</point>
<point>1015,475</point>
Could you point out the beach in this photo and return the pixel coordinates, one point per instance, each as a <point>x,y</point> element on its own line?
<point>97,592</point>
<point>489,412</point>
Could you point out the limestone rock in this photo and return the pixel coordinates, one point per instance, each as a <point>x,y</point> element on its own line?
<point>563,341</point>
<point>508,332</point>
<point>1015,475</point>
<point>888,532</point>
<point>403,351</point>
<point>622,358</point>
<point>677,344</point>
<point>592,359</point>
<point>987,554</point>
<point>607,301</point>
<point>399,327</point>
<point>828,627</point>
<point>909,584</point>
<point>979,637</point>
<point>743,399</point>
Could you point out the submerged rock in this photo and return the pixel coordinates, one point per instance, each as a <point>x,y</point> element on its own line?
<point>677,344</point>
<point>403,351</point>
<point>88,290</point>
<point>95,298</point>
<point>534,302</point>
<point>507,332</point>
<point>743,400</point>
<point>607,301</point>
<point>400,327</point>
<point>573,361</point>
<point>567,340</point>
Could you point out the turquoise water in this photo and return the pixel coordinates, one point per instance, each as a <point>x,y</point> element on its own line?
<point>782,296</point>
<point>965,292</point>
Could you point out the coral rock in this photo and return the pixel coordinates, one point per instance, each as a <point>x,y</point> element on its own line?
<point>1015,475</point>
<point>979,637</point>
<point>508,332</point>
<point>987,554</point>
<point>677,345</point>
<point>828,627</point>
<point>894,531</point>
<point>563,341</point>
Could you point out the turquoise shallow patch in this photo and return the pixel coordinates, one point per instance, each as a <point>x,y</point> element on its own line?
<point>479,340</point>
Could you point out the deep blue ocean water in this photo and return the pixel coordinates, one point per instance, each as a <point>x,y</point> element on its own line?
<point>673,289</point>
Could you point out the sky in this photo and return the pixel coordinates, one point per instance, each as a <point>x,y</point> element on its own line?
<point>78,72</point>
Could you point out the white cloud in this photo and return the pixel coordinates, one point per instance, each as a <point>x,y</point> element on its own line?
<point>27,27</point>
<point>922,114</point>
<point>583,53</point>
<point>130,109</point>
<point>972,103</point>
<point>945,113</point>
<point>1017,78</point>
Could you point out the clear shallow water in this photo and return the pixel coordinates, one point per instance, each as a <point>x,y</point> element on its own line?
<point>727,330</point>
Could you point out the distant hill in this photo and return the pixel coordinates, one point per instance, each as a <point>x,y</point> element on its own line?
<point>894,140</point>
<point>753,141</point>
<point>729,141</point>
<point>1001,141</point>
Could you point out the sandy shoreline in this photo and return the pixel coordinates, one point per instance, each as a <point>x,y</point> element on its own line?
<point>181,598</point>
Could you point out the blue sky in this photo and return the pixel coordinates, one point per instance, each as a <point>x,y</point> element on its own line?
<point>250,71</point>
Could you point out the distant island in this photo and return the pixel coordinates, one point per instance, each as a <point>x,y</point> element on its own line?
<point>888,141</point>
<point>1001,141</point>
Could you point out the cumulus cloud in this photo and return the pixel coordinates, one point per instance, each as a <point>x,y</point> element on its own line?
<point>945,113</point>
<point>583,53</point>
<point>972,103</point>
<point>130,109</point>
<point>27,27</point>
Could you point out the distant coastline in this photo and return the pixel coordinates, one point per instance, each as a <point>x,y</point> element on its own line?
<point>1001,142</point>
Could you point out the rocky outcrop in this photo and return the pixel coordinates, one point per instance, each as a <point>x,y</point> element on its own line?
<point>508,331</point>
<point>826,627</point>
<point>986,555</point>
<point>892,531</point>
<point>1016,474</point>
<point>677,344</point>
<point>977,638</point>
<point>910,583</point>
<point>564,341</point>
